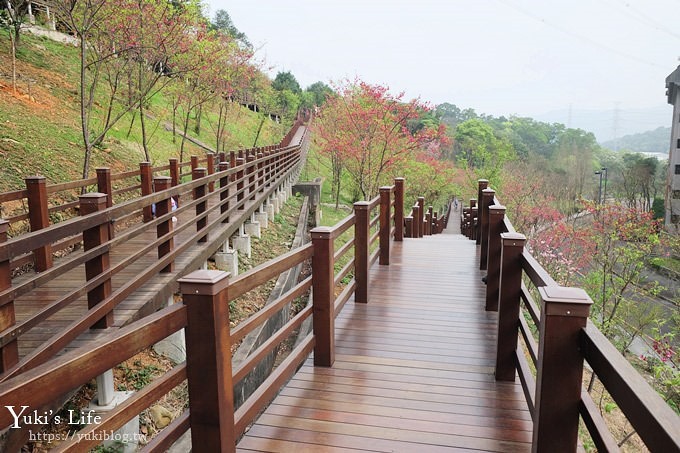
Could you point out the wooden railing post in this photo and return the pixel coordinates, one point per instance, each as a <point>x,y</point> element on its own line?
<point>194,163</point>
<point>398,209</point>
<point>146,180</point>
<point>487,201</point>
<point>39,218</point>
<point>436,227</point>
<point>268,168</point>
<point>362,234</point>
<point>9,354</point>
<point>496,216</point>
<point>559,369</point>
<point>163,207</point>
<point>232,164</point>
<point>174,176</point>
<point>417,221</point>
<point>94,237</point>
<point>211,169</point>
<point>260,171</point>
<point>199,192</point>
<point>508,304</point>
<point>251,175</point>
<point>209,374</point>
<point>482,184</point>
<point>323,304</point>
<point>174,171</point>
<point>421,216</point>
<point>474,222</point>
<point>385,225</point>
<point>104,185</point>
<point>240,183</point>
<point>224,190</point>
<point>408,226</point>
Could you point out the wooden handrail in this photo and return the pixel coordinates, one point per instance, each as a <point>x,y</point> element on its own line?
<point>655,422</point>
<point>557,388</point>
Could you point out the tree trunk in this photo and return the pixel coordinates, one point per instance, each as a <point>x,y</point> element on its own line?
<point>132,122</point>
<point>175,104</point>
<point>184,136</point>
<point>259,129</point>
<point>13,40</point>
<point>199,114</point>
<point>143,125</point>
<point>83,108</point>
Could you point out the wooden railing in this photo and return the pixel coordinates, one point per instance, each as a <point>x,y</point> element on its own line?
<point>243,188</point>
<point>566,338</point>
<point>215,425</point>
<point>41,204</point>
<point>420,222</point>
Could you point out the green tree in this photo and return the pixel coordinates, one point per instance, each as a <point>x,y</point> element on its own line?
<point>286,81</point>
<point>222,23</point>
<point>318,93</point>
<point>13,16</point>
<point>478,148</point>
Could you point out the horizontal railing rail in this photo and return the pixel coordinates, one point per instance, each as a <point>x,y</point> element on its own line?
<point>554,337</point>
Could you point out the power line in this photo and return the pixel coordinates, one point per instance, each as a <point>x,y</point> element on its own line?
<point>635,14</point>
<point>581,37</point>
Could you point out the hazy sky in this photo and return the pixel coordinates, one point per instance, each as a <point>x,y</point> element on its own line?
<point>522,57</point>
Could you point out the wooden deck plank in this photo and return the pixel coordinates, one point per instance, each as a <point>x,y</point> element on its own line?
<point>413,369</point>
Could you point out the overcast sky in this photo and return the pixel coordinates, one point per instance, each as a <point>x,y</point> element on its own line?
<point>500,57</point>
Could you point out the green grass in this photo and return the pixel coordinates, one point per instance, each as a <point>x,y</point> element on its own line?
<point>40,130</point>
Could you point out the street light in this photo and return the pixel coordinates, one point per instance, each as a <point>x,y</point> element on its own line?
<point>599,192</point>
<point>600,200</point>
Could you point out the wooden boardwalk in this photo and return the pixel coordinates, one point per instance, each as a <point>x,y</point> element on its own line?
<point>413,369</point>
<point>142,302</point>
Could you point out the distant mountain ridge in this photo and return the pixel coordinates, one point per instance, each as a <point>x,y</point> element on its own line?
<point>608,124</point>
<point>655,141</point>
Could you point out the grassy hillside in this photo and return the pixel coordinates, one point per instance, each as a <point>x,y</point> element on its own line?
<point>40,124</point>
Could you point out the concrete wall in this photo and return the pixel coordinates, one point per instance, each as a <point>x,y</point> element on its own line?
<point>243,389</point>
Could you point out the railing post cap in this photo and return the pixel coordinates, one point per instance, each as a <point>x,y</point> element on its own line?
<point>565,301</point>
<point>34,179</point>
<point>497,209</point>
<point>361,205</point>
<point>92,198</point>
<point>399,179</point>
<point>386,188</point>
<point>201,170</point>
<point>145,164</point>
<point>204,282</point>
<point>482,180</point>
<point>103,170</point>
<point>162,178</point>
<point>488,191</point>
<point>421,198</point>
<point>321,232</point>
<point>513,239</point>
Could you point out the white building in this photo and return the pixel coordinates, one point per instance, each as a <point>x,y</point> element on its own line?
<point>672,218</point>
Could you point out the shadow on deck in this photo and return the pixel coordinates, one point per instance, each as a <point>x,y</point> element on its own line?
<point>413,370</point>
